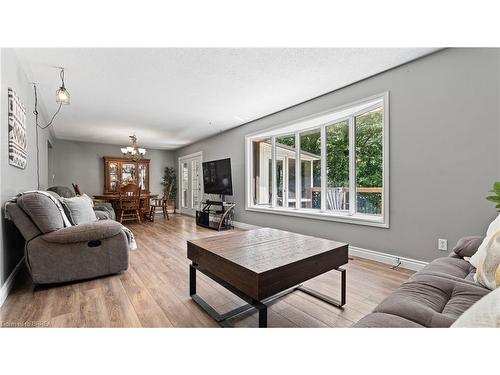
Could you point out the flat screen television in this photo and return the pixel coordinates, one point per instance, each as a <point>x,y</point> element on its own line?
<point>217,177</point>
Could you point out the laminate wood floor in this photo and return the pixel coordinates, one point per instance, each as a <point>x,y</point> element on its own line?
<point>154,291</point>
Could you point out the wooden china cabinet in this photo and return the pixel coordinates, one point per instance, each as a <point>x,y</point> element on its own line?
<point>120,171</point>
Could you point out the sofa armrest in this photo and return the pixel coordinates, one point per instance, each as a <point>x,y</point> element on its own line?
<point>97,230</point>
<point>105,208</point>
<point>467,246</point>
<point>102,215</point>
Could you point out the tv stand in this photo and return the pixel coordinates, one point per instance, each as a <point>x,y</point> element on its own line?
<point>217,215</point>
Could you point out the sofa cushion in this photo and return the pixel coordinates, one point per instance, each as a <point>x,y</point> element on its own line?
<point>42,210</point>
<point>484,313</point>
<point>85,232</point>
<point>467,246</point>
<point>382,320</point>
<point>449,267</point>
<point>78,209</point>
<point>432,300</point>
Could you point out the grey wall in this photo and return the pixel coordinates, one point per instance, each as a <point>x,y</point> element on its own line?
<point>15,180</point>
<point>81,163</point>
<point>444,153</point>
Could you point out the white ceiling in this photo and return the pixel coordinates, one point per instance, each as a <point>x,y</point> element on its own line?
<point>171,97</point>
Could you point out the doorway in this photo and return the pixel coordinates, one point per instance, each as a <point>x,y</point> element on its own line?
<point>190,183</point>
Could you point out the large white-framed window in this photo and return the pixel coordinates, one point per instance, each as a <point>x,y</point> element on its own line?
<point>331,166</point>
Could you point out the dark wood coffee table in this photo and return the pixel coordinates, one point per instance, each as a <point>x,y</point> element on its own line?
<point>264,264</point>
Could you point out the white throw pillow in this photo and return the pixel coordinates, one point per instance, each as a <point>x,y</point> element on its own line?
<point>484,313</point>
<point>492,229</point>
<point>488,269</point>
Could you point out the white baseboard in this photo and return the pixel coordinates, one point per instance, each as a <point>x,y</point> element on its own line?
<point>408,263</point>
<point>393,260</point>
<point>9,283</point>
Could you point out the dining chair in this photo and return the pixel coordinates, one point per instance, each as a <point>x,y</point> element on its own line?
<point>130,202</point>
<point>160,203</point>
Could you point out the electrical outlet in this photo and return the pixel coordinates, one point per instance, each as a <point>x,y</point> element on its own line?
<point>442,244</point>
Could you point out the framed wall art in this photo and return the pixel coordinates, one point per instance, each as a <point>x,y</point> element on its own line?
<point>17,131</point>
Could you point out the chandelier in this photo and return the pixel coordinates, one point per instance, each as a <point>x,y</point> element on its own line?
<point>133,151</point>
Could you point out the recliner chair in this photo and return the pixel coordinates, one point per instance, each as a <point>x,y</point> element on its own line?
<point>55,253</point>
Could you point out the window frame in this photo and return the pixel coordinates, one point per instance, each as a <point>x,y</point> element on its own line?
<point>320,122</point>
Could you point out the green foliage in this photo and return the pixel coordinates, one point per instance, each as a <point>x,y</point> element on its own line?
<point>169,179</point>
<point>369,155</point>
<point>337,154</point>
<point>495,198</point>
<point>369,150</point>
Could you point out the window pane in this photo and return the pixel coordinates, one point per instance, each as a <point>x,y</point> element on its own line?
<point>285,171</point>
<point>291,182</point>
<point>262,171</point>
<point>279,183</point>
<point>310,169</point>
<point>369,162</point>
<point>337,166</point>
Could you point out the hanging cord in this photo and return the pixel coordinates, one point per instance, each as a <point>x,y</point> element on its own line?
<point>35,112</point>
<point>397,264</point>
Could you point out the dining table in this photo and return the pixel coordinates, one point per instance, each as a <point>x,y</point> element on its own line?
<point>114,199</point>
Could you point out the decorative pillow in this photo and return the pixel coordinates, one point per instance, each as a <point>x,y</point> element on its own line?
<point>467,246</point>
<point>484,313</point>
<point>488,269</point>
<point>78,210</point>
<point>89,199</point>
<point>492,229</point>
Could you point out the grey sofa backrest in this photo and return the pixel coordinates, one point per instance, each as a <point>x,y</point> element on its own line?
<point>22,221</point>
<point>62,191</point>
<point>42,211</point>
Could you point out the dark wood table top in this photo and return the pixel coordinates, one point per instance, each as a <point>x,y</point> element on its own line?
<point>265,261</point>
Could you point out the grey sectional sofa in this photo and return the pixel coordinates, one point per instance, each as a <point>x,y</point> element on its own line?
<point>55,253</point>
<point>433,297</point>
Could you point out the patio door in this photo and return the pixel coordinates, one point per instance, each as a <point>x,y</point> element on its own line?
<point>190,183</point>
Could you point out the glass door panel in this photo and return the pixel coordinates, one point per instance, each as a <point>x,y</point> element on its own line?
<point>185,185</point>
<point>191,189</point>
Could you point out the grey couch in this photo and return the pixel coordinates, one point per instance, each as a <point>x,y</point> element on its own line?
<point>55,253</point>
<point>433,297</point>
<point>102,210</point>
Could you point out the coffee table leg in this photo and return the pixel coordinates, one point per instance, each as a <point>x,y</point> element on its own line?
<point>192,280</point>
<point>325,298</point>
<point>263,317</point>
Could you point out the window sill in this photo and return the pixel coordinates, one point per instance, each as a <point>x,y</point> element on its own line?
<point>359,219</point>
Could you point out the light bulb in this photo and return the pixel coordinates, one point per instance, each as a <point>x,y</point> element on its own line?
<point>62,95</point>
